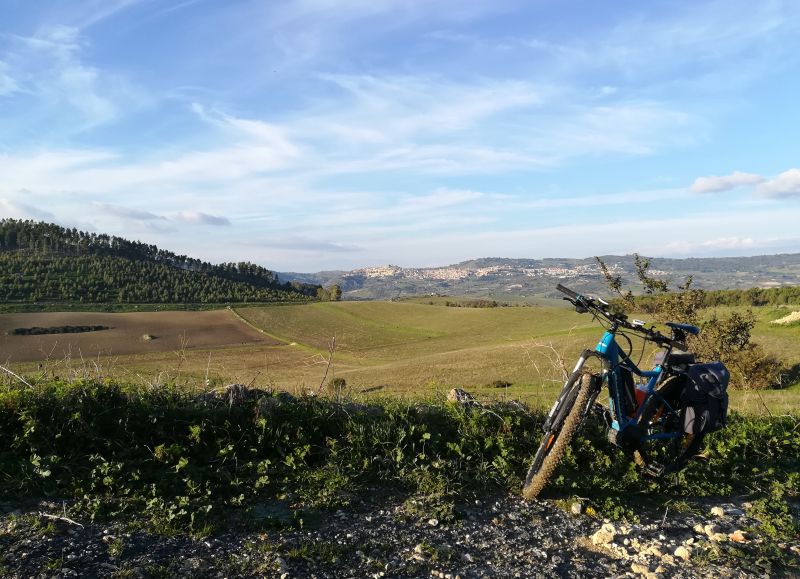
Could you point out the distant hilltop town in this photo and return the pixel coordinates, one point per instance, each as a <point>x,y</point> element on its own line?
<point>454,273</point>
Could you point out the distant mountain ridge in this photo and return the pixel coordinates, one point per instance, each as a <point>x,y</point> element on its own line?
<point>497,276</point>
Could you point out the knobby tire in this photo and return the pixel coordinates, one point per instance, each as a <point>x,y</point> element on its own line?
<point>537,478</point>
<point>677,453</point>
<point>666,455</point>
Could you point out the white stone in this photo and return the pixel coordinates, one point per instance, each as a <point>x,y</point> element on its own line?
<point>602,538</point>
<point>683,553</point>
<point>639,568</point>
<point>609,528</point>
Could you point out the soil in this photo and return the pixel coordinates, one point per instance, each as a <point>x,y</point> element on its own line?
<point>166,332</point>
<point>496,537</point>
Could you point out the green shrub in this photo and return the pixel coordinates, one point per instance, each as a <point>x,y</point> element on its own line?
<point>160,456</point>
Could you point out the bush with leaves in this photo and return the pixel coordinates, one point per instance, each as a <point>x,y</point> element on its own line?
<point>726,339</point>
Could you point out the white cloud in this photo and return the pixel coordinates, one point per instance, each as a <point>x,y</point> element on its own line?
<point>17,210</point>
<point>201,218</point>
<point>401,106</point>
<point>714,184</point>
<point>57,73</point>
<point>784,185</point>
<point>418,209</point>
<point>124,212</point>
<point>7,84</point>
<point>696,44</point>
<point>65,94</point>
<point>720,243</point>
<point>301,244</point>
<point>437,125</point>
<point>258,148</point>
<point>627,127</point>
<point>607,199</point>
<point>729,243</point>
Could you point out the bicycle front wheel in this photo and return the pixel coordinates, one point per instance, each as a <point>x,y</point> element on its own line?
<point>556,439</point>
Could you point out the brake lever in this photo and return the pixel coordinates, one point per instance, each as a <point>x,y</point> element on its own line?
<point>579,306</point>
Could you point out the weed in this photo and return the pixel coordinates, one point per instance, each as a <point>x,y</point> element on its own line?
<point>684,506</point>
<point>776,517</point>
<point>435,507</point>
<point>159,572</point>
<point>326,552</point>
<point>164,461</point>
<point>53,564</point>
<point>40,525</point>
<point>115,548</point>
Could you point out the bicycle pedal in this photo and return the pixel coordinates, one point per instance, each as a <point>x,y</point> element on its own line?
<point>654,470</point>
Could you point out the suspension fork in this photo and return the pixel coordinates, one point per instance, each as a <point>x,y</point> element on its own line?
<point>566,397</point>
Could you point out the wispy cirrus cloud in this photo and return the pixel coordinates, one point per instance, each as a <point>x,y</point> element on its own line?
<point>397,121</point>
<point>124,212</point>
<point>18,210</point>
<point>58,74</point>
<point>719,243</point>
<point>65,92</point>
<point>303,244</point>
<point>7,84</point>
<point>201,218</point>
<point>714,184</point>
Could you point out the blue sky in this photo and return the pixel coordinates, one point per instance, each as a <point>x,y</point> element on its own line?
<point>333,134</point>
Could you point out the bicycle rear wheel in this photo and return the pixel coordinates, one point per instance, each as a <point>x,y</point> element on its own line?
<point>557,437</point>
<point>660,456</point>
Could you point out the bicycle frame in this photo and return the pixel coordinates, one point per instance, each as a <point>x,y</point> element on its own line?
<point>609,352</point>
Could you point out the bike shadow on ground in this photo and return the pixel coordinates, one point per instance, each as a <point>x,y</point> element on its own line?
<point>793,375</point>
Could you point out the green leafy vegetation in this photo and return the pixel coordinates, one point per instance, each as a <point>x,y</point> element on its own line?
<point>726,338</point>
<point>37,331</point>
<point>45,262</point>
<point>164,459</point>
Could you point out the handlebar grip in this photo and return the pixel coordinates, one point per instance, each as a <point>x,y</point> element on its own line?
<point>567,291</point>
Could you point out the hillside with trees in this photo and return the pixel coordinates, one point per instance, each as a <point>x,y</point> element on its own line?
<point>44,262</point>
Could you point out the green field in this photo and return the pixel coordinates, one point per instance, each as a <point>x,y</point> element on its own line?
<point>407,346</point>
<point>411,347</point>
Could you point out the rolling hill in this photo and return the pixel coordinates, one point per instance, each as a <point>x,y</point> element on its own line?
<point>535,279</point>
<point>44,262</point>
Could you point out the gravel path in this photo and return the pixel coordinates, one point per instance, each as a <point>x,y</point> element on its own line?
<point>497,537</point>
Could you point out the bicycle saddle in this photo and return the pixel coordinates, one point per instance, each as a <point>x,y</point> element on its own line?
<point>693,330</point>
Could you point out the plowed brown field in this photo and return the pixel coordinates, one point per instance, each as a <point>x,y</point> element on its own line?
<point>196,330</point>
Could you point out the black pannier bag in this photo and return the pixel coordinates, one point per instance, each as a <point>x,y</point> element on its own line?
<point>705,399</point>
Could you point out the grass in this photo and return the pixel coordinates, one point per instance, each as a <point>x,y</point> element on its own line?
<point>404,347</point>
<point>167,463</point>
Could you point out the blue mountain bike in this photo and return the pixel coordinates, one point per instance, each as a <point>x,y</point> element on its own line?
<point>644,419</point>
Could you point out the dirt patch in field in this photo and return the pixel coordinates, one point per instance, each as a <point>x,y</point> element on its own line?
<point>130,333</point>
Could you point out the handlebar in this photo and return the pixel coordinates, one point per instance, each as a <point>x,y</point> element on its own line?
<point>585,303</point>
<point>567,291</point>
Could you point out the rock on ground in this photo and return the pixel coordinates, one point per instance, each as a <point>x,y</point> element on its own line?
<point>496,537</point>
